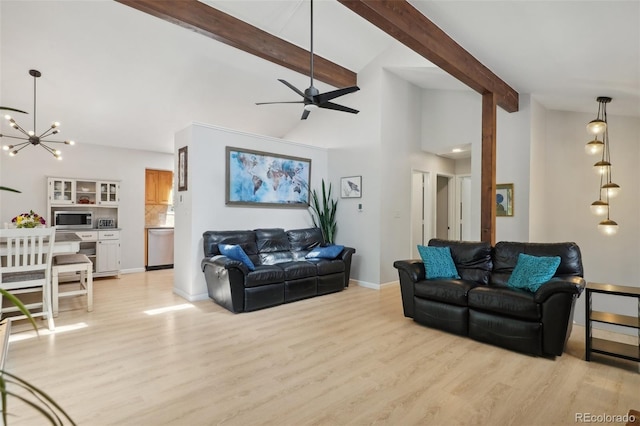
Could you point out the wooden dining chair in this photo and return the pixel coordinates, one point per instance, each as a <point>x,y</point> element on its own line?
<point>25,267</point>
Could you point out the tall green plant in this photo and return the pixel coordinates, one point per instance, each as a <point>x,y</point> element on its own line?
<point>324,213</point>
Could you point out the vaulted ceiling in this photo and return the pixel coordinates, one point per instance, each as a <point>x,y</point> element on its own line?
<point>116,76</point>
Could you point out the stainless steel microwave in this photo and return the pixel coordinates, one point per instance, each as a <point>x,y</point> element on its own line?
<point>73,219</point>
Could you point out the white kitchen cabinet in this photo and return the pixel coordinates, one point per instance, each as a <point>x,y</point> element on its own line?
<point>100,197</point>
<point>62,191</point>
<point>108,194</point>
<point>108,252</point>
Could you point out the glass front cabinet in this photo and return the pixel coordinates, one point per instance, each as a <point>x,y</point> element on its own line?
<point>109,193</point>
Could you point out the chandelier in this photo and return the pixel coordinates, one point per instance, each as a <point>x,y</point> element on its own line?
<point>607,188</point>
<point>31,137</point>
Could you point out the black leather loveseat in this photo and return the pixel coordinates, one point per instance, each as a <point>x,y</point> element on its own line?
<point>282,273</point>
<point>481,305</point>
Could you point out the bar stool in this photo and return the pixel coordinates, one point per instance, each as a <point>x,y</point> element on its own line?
<point>72,263</point>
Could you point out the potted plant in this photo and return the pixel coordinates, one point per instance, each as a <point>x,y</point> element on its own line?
<point>323,213</point>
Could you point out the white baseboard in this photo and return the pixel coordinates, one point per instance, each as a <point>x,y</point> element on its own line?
<point>189,297</point>
<point>374,286</point>
<point>132,270</point>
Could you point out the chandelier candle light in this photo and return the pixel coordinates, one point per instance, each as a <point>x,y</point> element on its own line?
<point>607,188</point>
<point>31,137</point>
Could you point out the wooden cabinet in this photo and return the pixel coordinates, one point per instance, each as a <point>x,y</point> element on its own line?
<point>158,187</point>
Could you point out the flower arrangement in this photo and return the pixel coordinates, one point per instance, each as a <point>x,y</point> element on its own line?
<point>28,220</point>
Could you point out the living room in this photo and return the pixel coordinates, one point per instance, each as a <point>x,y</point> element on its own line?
<point>540,149</point>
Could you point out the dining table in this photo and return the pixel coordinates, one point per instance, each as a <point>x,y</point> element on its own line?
<point>65,242</point>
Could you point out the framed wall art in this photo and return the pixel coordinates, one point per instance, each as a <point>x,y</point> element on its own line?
<point>183,168</point>
<point>351,187</point>
<point>504,199</point>
<point>262,179</point>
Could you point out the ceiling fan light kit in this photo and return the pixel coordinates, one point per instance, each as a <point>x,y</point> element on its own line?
<point>31,137</point>
<point>311,97</point>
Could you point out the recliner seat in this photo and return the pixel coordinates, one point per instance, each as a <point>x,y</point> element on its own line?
<point>282,273</point>
<point>481,305</point>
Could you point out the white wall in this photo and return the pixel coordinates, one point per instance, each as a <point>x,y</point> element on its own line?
<point>202,207</point>
<point>454,117</point>
<point>571,186</point>
<point>28,173</point>
<point>513,155</point>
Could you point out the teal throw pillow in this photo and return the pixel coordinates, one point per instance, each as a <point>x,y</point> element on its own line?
<point>235,252</point>
<point>533,271</point>
<point>438,262</point>
<point>326,252</point>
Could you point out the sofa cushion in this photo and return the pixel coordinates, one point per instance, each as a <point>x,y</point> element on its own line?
<point>447,290</point>
<point>506,253</point>
<point>328,266</point>
<point>472,259</point>
<point>505,300</point>
<point>533,271</point>
<point>297,270</point>
<point>235,252</point>
<point>264,274</point>
<point>327,252</point>
<point>245,239</point>
<point>304,239</point>
<point>438,262</point>
<point>272,240</point>
<point>276,257</point>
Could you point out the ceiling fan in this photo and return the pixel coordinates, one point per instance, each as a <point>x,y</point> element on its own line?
<point>311,97</point>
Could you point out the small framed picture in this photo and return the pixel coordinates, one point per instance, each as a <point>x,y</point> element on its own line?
<point>183,168</point>
<point>504,199</point>
<point>351,187</point>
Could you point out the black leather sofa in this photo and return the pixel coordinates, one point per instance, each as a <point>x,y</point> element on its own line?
<point>480,304</point>
<point>282,273</point>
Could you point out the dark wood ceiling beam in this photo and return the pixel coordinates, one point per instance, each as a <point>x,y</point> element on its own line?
<point>488,175</point>
<point>406,24</point>
<point>203,19</point>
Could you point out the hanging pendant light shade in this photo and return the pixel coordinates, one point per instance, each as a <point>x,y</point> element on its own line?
<point>602,167</point>
<point>596,126</point>
<point>608,227</point>
<point>611,189</point>
<point>599,208</point>
<point>594,147</point>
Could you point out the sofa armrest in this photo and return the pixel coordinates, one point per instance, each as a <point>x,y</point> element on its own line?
<point>225,280</point>
<point>345,256</point>
<point>414,268</point>
<point>410,272</point>
<point>571,285</point>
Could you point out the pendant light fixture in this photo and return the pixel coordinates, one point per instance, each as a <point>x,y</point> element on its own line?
<point>607,188</point>
<point>31,137</point>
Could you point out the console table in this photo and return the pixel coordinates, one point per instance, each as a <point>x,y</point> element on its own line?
<point>603,346</point>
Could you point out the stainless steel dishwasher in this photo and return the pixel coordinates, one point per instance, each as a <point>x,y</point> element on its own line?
<point>159,248</point>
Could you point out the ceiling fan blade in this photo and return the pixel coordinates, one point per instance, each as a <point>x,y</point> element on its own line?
<point>292,87</point>
<point>305,114</point>
<point>325,97</point>
<point>13,109</point>
<point>331,105</point>
<point>283,102</point>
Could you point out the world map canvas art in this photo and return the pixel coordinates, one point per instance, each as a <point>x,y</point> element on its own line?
<point>265,179</point>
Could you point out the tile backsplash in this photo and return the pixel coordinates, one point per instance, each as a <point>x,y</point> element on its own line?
<point>158,215</point>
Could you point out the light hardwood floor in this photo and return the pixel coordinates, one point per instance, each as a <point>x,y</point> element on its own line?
<point>349,358</point>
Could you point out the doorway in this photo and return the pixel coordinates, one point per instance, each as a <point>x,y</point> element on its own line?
<point>421,214</point>
<point>463,210</point>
